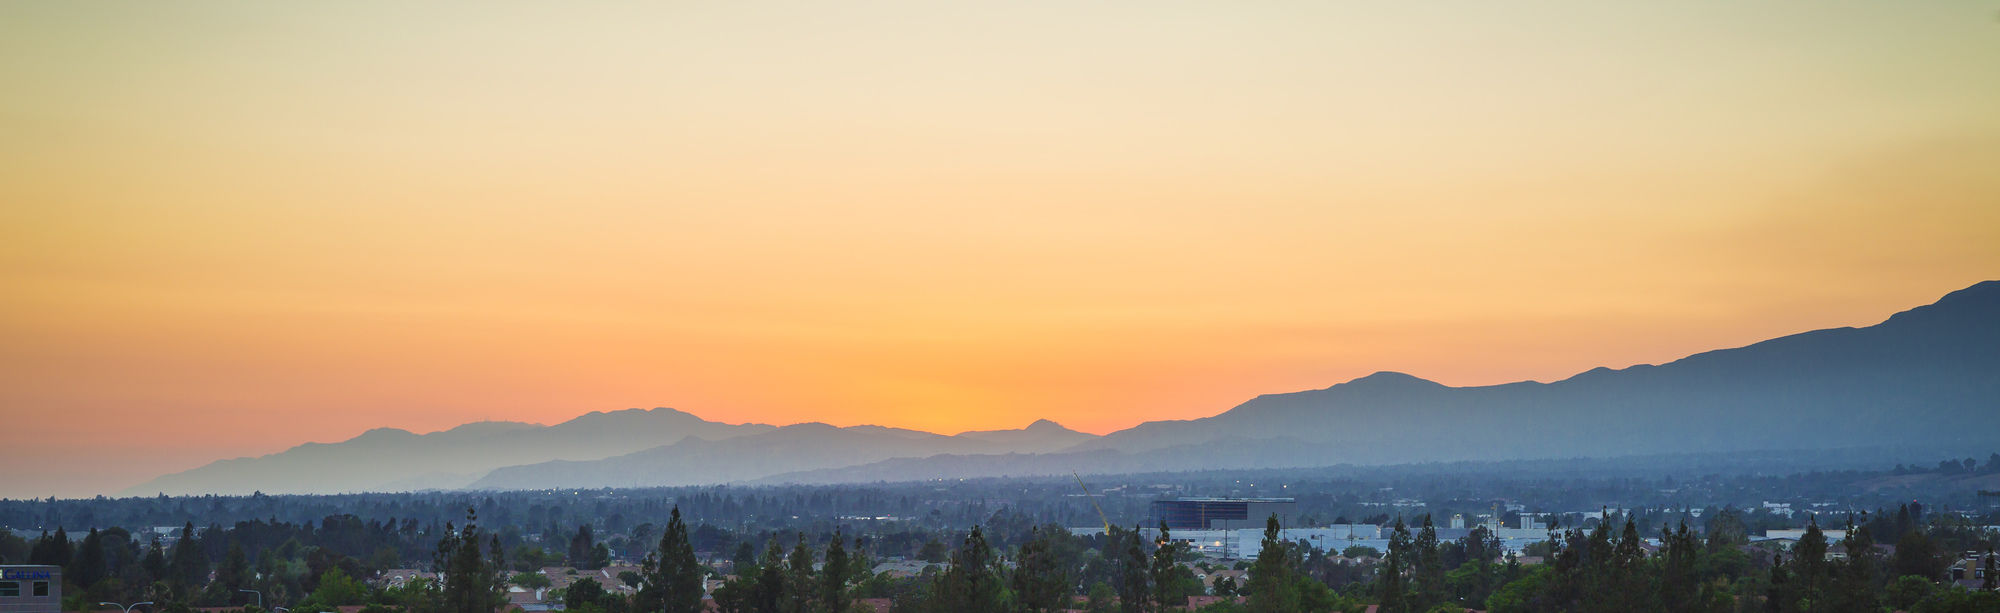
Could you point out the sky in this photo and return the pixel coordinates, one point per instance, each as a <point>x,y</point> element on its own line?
<point>228,228</point>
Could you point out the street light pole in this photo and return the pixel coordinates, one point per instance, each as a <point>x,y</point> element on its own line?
<point>127,608</point>
<point>260,597</point>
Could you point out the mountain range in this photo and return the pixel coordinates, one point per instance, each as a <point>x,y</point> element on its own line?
<point>1925,379</point>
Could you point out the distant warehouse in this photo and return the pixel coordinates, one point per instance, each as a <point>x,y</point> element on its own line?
<point>1222,513</point>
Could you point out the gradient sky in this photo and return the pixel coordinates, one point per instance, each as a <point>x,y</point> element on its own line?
<point>228,228</point>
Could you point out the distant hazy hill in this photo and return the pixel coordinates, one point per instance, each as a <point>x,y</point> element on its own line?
<point>388,459</point>
<point>1038,437</point>
<point>1927,377</point>
<point>1230,453</point>
<point>788,449</point>
<point>1925,381</point>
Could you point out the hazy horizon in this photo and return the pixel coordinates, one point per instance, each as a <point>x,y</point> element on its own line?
<point>1966,298</point>
<point>230,229</point>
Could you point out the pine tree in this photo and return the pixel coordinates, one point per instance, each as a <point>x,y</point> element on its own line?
<point>1856,590</point>
<point>581,548</point>
<point>89,566</point>
<point>833,596</point>
<point>1599,581</point>
<point>1132,573</point>
<point>52,550</point>
<point>1679,578</point>
<point>1916,554</point>
<point>1778,597</point>
<point>1809,560</point>
<point>472,583</point>
<point>155,562</point>
<point>744,562</point>
<point>769,590</point>
<point>671,577</point>
<point>971,586</point>
<point>1429,567</point>
<point>234,574</point>
<point>1039,582</point>
<point>1272,589</point>
<point>799,584</point>
<point>190,564</point>
<point>1394,591</point>
<point>1626,584</point>
<point>1165,561</point>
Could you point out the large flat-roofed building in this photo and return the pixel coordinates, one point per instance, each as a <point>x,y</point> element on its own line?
<point>1222,513</point>
<point>30,589</point>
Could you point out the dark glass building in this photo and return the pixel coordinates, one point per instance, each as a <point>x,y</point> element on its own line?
<point>1221,513</point>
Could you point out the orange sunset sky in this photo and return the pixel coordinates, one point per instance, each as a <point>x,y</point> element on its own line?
<point>229,228</point>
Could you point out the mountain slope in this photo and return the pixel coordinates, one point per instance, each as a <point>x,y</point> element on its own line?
<point>388,459</point>
<point>788,449</point>
<point>1929,376</point>
<point>1039,437</point>
<point>1926,381</point>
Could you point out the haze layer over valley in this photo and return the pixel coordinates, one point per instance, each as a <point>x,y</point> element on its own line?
<point>1923,379</point>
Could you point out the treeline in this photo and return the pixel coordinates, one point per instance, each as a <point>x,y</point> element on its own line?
<point>1013,566</point>
<point>1324,495</point>
<point>1612,570</point>
<point>1966,466</point>
<point>248,561</point>
<point>1608,567</point>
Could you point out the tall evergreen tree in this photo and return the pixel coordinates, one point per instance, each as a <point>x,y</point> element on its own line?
<point>89,566</point>
<point>1916,554</point>
<point>1393,587</point>
<point>971,586</point>
<point>1680,579</point>
<point>1858,576</point>
<point>1040,582</point>
<point>1166,560</point>
<point>833,595</point>
<point>1272,589</point>
<point>1809,566</point>
<point>769,591</point>
<point>1599,581</point>
<point>581,547</point>
<point>1779,597</point>
<point>744,562</point>
<point>234,573</point>
<point>155,562</point>
<point>472,582</point>
<point>190,562</point>
<point>1429,567</point>
<point>52,550</point>
<point>800,586</point>
<point>670,575</point>
<point>1626,585</point>
<point>1132,574</point>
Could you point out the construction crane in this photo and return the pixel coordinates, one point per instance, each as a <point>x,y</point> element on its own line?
<point>1093,502</point>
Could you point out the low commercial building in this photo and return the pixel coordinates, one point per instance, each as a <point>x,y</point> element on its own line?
<point>30,589</point>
